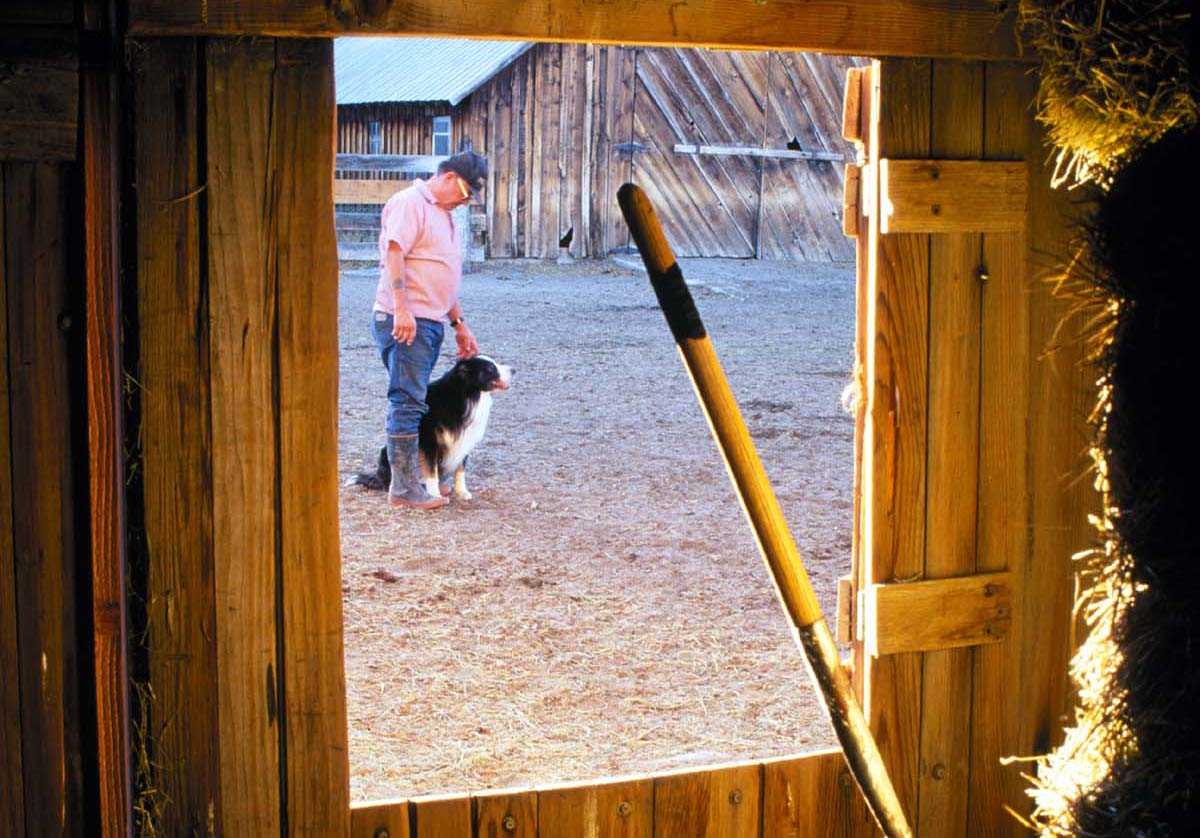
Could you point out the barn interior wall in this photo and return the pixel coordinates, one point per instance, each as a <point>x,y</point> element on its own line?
<point>566,124</point>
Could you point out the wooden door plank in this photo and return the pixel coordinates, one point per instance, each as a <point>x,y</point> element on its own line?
<point>444,816</point>
<point>242,317</point>
<point>318,775</point>
<point>723,803</point>
<point>42,507</point>
<point>953,455</point>
<point>963,29</point>
<point>621,95</point>
<point>894,460</point>
<point>1003,476</point>
<point>176,437</point>
<point>608,810</point>
<point>813,796</point>
<point>12,791</point>
<point>506,814</point>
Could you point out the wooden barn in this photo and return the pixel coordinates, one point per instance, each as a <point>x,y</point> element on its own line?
<point>741,150</point>
<point>171,631</point>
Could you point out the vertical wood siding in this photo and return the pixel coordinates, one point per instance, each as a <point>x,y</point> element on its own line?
<point>552,121</point>
<point>40,759</point>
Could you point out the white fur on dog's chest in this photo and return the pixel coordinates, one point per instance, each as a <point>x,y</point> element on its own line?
<point>457,448</point>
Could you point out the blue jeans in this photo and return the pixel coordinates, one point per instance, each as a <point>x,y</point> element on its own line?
<point>409,368</point>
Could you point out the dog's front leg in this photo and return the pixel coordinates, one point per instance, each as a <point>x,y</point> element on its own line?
<point>429,474</point>
<point>460,482</point>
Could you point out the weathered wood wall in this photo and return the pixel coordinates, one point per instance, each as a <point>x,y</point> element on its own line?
<point>971,446</point>
<point>237,331</point>
<point>45,705</point>
<point>810,796</point>
<point>41,765</point>
<point>566,124</point>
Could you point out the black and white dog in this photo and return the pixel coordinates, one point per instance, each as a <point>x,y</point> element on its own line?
<point>460,403</point>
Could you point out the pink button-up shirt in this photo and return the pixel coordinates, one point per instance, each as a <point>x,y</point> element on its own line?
<point>432,263</point>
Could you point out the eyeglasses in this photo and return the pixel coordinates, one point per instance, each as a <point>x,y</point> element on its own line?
<point>463,186</point>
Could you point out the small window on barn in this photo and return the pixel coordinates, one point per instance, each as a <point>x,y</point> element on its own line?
<point>441,135</point>
<point>374,138</point>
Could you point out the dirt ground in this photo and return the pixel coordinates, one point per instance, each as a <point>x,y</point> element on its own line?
<point>599,608</point>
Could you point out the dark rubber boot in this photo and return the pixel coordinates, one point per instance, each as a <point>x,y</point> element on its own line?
<point>407,489</point>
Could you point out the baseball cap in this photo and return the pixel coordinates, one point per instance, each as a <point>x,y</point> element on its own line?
<point>468,165</point>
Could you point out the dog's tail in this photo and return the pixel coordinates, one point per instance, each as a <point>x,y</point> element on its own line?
<point>377,480</point>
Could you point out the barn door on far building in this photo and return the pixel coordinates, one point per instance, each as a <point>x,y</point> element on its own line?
<point>708,204</point>
<point>746,193</point>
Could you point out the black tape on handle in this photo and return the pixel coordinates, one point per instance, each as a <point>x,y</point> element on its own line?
<point>677,304</point>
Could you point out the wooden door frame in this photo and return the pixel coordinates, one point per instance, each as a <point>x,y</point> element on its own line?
<point>871,27</point>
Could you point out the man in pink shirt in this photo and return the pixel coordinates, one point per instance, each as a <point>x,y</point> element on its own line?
<point>420,270</point>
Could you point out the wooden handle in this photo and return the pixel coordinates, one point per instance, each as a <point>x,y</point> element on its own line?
<point>724,419</point>
<point>762,510</point>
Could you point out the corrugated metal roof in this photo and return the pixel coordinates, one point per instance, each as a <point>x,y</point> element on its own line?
<point>416,69</point>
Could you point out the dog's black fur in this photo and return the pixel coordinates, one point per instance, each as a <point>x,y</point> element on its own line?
<point>452,400</point>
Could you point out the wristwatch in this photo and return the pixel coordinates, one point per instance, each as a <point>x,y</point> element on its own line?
<point>454,323</point>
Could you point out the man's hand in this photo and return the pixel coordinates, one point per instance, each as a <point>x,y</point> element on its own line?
<point>468,347</point>
<point>404,328</point>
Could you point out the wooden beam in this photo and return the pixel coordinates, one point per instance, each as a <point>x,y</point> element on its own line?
<point>754,151</point>
<point>39,98</point>
<point>409,164</point>
<point>101,150</point>
<point>952,196</point>
<point>950,28</point>
<point>306,347</point>
<point>242,277</point>
<point>937,613</point>
<point>12,790</point>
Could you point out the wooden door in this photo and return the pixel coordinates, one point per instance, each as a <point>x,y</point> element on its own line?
<point>955,228</point>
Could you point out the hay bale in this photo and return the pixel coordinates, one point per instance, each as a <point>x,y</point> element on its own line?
<point>1130,765</point>
<point>1115,77</point>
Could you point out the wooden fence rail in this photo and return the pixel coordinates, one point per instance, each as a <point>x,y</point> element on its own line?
<point>404,164</point>
<point>811,795</point>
